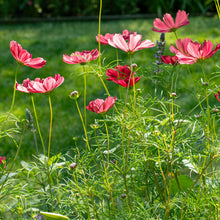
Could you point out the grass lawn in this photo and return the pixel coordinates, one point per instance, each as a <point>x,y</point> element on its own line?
<point>52,40</point>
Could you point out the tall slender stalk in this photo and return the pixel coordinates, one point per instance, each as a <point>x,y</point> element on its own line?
<point>38,127</point>
<point>13,98</point>
<point>50,131</point>
<point>84,77</point>
<point>16,155</point>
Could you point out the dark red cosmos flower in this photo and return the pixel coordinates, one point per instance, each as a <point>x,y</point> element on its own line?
<point>101,106</point>
<point>122,75</point>
<point>216,96</point>
<point>173,60</point>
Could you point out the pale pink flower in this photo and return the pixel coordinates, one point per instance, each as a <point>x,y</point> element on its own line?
<point>81,57</point>
<point>40,85</point>
<point>190,52</point>
<point>101,106</point>
<point>24,57</point>
<point>134,43</point>
<point>168,25</point>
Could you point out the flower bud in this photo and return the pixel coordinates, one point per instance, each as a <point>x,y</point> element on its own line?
<point>74,95</point>
<point>133,67</point>
<point>205,84</point>
<point>198,116</point>
<point>173,95</point>
<point>73,166</point>
<point>123,195</point>
<point>94,126</point>
<point>215,110</point>
<point>162,37</point>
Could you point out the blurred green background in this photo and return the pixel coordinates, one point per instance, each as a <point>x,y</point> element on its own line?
<point>65,8</point>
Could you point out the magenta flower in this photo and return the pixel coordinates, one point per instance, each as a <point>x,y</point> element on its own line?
<point>216,96</point>
<point>168,25</point>
<point>101,106</point>
<point>134,43</point>
<point>173,60</point>
<point>122,75</point>
<point>190,52</point>
<point>2,158</point>
<point>24,57</point>
<point>40,86</point>
<point>81,57</point>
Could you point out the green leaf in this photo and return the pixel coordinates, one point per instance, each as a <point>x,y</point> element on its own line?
<point>54,216</point>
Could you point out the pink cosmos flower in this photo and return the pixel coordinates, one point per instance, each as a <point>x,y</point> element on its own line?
<point>168,25</point>
<point>81,57</point>
<point>190,52</point>
<point>24,57</point>
<point>40,86</point>
<point>134,43</point>
<point>2,158</point>
<point>216,96</point>
<point>122,75</point>
<point>104,39</point>
<point>101,106</point>
<point>173,60</point>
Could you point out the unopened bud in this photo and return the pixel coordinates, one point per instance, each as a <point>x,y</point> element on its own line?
<point>73,166</point>
<point>133,67</point>
<point>94,126</point>
<point>123,195</point>
<point>198,116</point>
<point>215,110</point>
<point>162,37</point>
<point>74,95</point>
<point>173,95</point>
<point>205,84</point>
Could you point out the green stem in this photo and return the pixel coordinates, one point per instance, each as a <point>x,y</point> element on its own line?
<point>50,132</point>
<point>83,124</point>
<point>13,98</point>
<point>203,170</point>
<point>84,76</point>
<point>107,134</point>
<point>38,127</point>
<point>16,155</point>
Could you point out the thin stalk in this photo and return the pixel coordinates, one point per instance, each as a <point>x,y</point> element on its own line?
<point>86,203</point>
<point>107,134</point>
<point>16,155</point>
<point>38,127</point>
<point>85,132</point>
<point>83,124</point>
<point>203,170</point>
<point>84,77</point>
<point>50,131</point>
<point>13,99</point>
